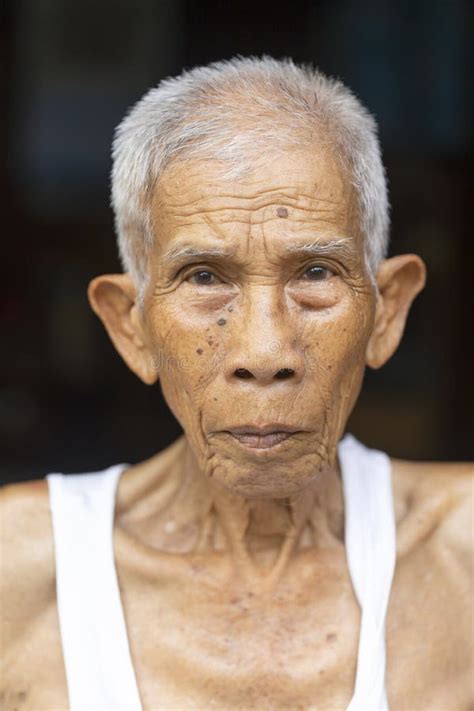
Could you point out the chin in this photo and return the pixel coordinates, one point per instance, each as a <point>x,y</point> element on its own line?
<point>266,480</point>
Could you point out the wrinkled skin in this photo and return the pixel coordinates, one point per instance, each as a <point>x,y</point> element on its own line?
<point>231,558</point>
<point>262,312</point>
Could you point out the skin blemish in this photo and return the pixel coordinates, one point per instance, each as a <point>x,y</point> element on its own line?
<point>221,322</point>
<point>199,351</point>
<point>230,308</point>
<point>282,212</point>
<point>331,637</point>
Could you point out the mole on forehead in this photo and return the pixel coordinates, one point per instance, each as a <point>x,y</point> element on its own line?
<point>282,212</point>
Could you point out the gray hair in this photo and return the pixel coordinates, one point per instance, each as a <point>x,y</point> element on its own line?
<point>234,111</point>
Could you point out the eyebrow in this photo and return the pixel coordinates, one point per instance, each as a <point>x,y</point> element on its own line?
<point>342,247</point>
<point>178,252</point>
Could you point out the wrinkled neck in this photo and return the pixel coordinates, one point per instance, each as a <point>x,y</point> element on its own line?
<point>264,535</point>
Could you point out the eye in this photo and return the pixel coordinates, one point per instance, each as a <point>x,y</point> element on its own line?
<point>203,278</point>
<point>318,273</point>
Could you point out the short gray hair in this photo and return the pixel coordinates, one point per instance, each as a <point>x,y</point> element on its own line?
<point>234,111</point>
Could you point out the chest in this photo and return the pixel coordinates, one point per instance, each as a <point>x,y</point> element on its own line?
<point>202,640</point>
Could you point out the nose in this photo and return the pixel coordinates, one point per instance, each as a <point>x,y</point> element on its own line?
<point>265,341</point>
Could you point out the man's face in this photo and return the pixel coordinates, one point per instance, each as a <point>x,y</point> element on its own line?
<point>258,312</point>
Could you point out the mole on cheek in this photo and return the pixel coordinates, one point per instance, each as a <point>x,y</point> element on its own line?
<point>221,322</point>
<point>282,212</point>
<point>199,351</point>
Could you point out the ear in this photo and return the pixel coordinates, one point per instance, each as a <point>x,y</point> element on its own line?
<point>399,280</point>
<point>112,297</point>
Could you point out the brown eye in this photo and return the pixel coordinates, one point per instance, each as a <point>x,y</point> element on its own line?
<point>203,277</point>
<point>318,273</point>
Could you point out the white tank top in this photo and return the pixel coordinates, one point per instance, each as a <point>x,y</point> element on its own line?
<point>99,669</point>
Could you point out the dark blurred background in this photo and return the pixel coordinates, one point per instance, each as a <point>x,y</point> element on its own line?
<point>70,70</point>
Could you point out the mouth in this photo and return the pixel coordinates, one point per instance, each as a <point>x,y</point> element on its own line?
<point>262,437</point>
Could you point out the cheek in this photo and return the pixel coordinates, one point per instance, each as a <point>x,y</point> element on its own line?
<point>335,346</point>
<point>185,354</point>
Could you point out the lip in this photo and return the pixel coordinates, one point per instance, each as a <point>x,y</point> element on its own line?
<point>262,436</point>
<point>263,430</point>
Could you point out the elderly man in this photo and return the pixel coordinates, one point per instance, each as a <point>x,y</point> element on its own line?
<point>261,561</point>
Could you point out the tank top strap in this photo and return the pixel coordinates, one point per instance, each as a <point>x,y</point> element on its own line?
<point>99,670</point>
<point>370,540</point>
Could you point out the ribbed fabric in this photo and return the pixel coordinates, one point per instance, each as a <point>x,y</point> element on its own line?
<point>99,669</point>
<point>371,551</point>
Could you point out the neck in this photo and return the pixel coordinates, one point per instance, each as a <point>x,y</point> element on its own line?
<point>169,504</point>
<point>263,535</point>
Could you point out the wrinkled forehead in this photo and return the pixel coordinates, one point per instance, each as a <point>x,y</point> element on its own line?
<point>285,193</point>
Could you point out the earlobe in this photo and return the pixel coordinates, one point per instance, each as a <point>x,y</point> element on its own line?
<point>112,297</point>
<point>399,280</point>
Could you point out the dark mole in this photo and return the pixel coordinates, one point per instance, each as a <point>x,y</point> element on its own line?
<point>282,212</point>
<point>214,398</point>
<point>331,637</point>
<point>221,322</point>
<point>199,351</point>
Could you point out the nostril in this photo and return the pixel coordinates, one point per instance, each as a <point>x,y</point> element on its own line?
<point>284,373</point>
<point>243,373</point>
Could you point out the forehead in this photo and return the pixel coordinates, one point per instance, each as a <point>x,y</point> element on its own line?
<point>291,192</point>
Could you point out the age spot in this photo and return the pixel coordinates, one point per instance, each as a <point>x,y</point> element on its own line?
<point>282,212</point>
<point>331,637</point>
<point>221,322</point>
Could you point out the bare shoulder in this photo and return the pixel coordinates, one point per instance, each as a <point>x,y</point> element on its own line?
<point>27,567</point>
<point>435,499</point>
<point>24,514</point>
